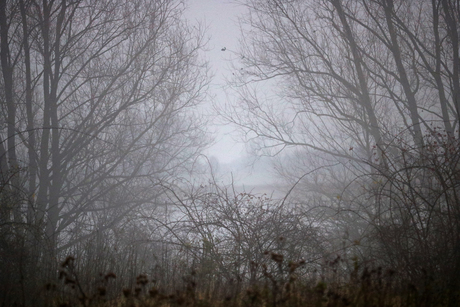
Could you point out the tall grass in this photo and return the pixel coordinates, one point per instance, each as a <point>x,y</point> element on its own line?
<point>280,285</point>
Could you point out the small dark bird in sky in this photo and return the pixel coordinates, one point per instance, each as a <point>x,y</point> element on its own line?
<point>223,49</point>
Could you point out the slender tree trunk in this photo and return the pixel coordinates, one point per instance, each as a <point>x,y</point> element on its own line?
<point>56,169</point>
<point>452,31</point>
<point>31,141</point>
<point>366,100</point>
<point>7,74</point>
<point>43,201</point>
<point>437,73</point>
<point>403,78</point>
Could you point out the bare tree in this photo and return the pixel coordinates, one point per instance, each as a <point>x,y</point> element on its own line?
<point>354,75</point>
<point>352,87</point>
<point>98,104</point>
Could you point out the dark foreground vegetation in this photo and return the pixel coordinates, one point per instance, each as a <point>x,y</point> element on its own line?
<point>282,285</point>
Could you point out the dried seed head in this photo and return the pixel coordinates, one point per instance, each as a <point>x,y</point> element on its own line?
<point>142,279</point>
<point>67,261</point>
<point>101,291</point>
<point>292,266</point>
<point>277,257</point>
<point>153,292</point>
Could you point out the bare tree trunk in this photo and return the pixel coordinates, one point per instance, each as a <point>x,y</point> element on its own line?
<point>31,139</point>
<point>366,100</point>
<point>403,78</point>
<point>56,168</point>
<point>7,74</point>
<point>437,72</point>
<point>452,30</point>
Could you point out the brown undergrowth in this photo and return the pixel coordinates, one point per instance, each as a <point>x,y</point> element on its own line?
<point>280,285</point>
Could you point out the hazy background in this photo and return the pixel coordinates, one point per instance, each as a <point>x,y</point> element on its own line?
<point>220,17</point>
